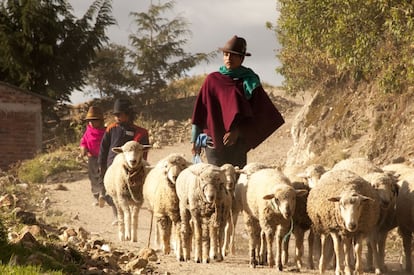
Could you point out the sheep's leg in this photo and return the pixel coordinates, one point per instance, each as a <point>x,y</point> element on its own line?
<point>121,224</point>
<point>228,231</point>
<point>281,232</point>
<point>164,224</point>
<point>220,245</point>
<point>338,247</point>
<point>213,240</point>
<point>178,248</point>
<point>233,232</point>
<point>185,239</point>
<point>377,245</point>
<point>127,221</point>
<point>348,249</point>
<point>311,242</point>
<point>197,238</point>
<point>134,223</point>
<point>382,237</point>
<point>254,236</point>
<point>322,262</point>
<point>299,238</point>
<point>205,240</point>
<point>358,255</point>
<point>407,238</point>
<point>369,263</point>
<point>285,249</point>
<point>263,260</point>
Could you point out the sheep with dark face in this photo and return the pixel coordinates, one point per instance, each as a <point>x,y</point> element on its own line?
<point>160,194</point>
<point>405,216</point>
<point>124,180</point>
<point>199,189</point>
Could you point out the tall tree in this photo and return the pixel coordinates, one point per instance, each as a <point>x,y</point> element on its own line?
<point>157,51</point>
<point>45,49</point>
<point>109,75</point>
<point>328,42</point>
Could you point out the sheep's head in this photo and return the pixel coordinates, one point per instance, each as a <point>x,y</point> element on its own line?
<point>386,186</point>
<point>231,173</point>
<point>133,153</point>
<point>312,174</point>
<point>211,180</point>
<point>350,205</point>
<point>173,165</point>
<point>283,199</point>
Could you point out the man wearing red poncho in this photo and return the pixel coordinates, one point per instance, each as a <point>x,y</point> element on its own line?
<point>232,113</point>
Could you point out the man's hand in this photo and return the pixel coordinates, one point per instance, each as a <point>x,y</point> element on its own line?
<point>195,150</point>
<point>230,138</point>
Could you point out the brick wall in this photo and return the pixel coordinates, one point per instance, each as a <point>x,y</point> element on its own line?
<point>20,125</point>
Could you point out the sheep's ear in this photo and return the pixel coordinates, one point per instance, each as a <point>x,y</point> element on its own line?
<point>302,175</point>
<point>365,198</point>
<point>269,197</point>
<point>146,147</point>
<point>301,192</point>
<point>117,150</point>
<point>334,199</point>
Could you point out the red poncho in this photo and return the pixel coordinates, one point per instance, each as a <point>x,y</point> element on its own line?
<point>219,101</point>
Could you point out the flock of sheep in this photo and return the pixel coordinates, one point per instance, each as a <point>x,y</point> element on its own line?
<point>196,207</point>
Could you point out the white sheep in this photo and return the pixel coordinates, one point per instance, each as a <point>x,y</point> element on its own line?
<point>405,217</point>
<point>159,192</point>
<point>268,211</point>
<point>360,166</point>
<point>124,180</point>
<point>199,189</point>
<point>225,231</point>
<point>345,206</point>
<point>387,188</point>
<point>240,197</point>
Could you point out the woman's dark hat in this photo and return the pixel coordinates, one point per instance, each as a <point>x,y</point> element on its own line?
<point>122,105</point>
<point>94,113</point>
<point>236,45</point>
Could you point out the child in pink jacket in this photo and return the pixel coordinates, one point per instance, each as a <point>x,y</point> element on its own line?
<point>89,146</point>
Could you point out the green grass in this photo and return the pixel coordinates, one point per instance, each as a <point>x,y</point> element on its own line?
<point>38,169</point>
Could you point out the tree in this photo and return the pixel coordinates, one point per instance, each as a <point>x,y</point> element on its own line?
<point>157,55</point>
<point>45,49</point>
<point>328,42</point>
<point>109,74</point>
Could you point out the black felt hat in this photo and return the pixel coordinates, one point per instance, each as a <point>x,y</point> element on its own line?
<point>122,105</point>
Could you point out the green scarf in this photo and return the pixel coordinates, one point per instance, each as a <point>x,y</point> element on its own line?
<point>250,80</point>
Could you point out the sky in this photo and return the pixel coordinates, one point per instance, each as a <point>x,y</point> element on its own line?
<point>212,23</point>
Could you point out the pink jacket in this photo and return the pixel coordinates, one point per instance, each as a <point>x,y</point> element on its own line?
<point>91,139</point>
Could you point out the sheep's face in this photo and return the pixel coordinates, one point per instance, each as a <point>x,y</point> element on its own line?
<point>174,166</point>
<point>283,200</point>
<point>230,173</point>
<point>312,174</point>
<point>386,186</point>
<point>211,180</point>
<point>350,206</point>
<point>133,153</point>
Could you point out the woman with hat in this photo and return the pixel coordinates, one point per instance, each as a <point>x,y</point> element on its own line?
<point>89,146</point>
<point>116,135</point>
<point>233,110</point>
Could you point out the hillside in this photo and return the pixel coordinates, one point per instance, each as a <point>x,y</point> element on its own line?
<point>348,122</point>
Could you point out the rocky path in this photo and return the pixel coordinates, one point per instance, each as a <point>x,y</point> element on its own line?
<point>76,203</point>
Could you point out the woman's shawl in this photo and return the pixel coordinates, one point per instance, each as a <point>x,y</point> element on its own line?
<point>221,99</point>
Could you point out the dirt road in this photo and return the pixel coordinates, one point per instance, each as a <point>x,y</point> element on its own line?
<point>77,202</point>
